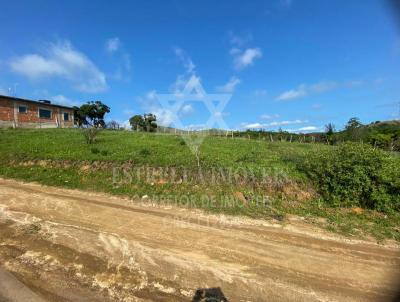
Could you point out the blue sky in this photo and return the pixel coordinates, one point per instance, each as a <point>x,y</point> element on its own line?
<point>295,64</point>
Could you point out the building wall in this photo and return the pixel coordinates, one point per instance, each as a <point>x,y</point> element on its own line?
<point>11,117</point>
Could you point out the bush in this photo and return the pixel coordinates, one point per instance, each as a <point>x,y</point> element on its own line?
<point>90,134</point>
<point>95,150</point>
<point>144,152</point>
<point>356,175</point>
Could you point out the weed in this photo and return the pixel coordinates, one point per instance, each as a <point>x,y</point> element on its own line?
<point>144,152</point>
<point>95,150</point>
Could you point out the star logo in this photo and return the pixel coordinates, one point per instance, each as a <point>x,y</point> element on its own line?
<point>194,92</point>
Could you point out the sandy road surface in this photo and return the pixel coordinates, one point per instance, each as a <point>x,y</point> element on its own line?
<point>68,245</point>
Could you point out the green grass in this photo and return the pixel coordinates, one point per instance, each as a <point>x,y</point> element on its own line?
<point>164,150</point>
<point>66,152</point>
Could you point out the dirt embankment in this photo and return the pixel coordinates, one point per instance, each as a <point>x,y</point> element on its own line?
<point>68,245</point>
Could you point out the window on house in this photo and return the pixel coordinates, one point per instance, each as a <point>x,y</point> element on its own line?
<point>22,109</point>
<point>44,113</point>
<point>66,116</point>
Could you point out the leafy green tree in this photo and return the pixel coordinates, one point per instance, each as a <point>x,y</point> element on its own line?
<point>353,123</point>
<point>79,117</point>
<point>354,129</point>
<point>330,129</point>
<point>137,122</point>
<point>330,132</point>
<point>91,114</point>
<point>150,122</point>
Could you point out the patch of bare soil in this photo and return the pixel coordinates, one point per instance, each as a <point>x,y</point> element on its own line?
<point>68,245</point>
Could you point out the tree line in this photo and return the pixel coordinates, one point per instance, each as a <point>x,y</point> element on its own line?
<point>384,135</point>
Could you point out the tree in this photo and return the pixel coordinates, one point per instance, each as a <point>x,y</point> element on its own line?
<point>150,122</point>
<point>330,129</point>
<point>113,125</point>
<point>137,122</point>
<point>91,114</point>
<point>147,122</point>
<point>79,117</point>
<point>353,128</point>
<point>329,133</point>
<point>353,123</point>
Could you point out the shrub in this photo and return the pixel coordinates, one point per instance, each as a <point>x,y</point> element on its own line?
<point>95,150</point>
<point>144,152</point>
<point>90,134</point>
<point>356,175</point>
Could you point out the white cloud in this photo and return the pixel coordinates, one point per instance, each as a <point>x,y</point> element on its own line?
<point>165,117</point>
<point>113,44</point>
<point>308,128</point>
<point>185,59</point>
<point>273,124</point>
<point>230,86</point>
<point>301,91</point>
<point>151,95</point>
<point>124,124</point>
<point>245,58</point>
<point>63,100</point>
<point>324,86</point>
<point>304,90</point>
<point>240,39</point>
<point>285,123</point>
<point>189,77</point>
<point>305,129</point>
<point>195,127</point>
<point>62,60</point>
<point>269,116</point>
<point>182,81</point>
<point>187,109</point>
<point>253,126</point>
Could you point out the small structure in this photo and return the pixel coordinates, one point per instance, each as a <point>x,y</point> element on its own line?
<point>17,112</point>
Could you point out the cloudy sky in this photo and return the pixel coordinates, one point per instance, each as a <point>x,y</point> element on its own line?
<point>294,64</point>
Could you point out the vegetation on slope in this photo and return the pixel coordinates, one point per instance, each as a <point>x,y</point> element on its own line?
<point>351,188</point>
<point>384,135</point>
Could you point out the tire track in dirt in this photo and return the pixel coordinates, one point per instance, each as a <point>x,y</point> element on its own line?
<point>165,253</point>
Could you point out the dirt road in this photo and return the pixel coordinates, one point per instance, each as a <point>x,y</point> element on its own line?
<point>67,245</point>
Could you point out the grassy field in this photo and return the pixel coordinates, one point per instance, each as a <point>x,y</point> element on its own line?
<point>237,176</point>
